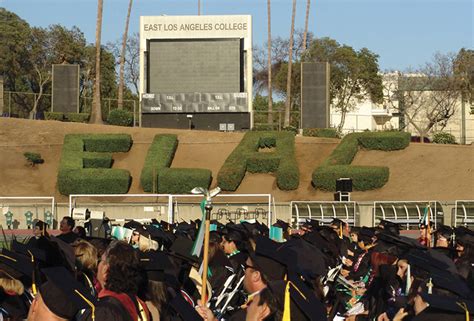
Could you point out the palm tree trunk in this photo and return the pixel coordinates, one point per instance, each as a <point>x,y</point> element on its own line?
<point>122,58</point>
<point>286,122</point>
<point>270,100</point>
<point>96,112</point>
<point>305,34</point>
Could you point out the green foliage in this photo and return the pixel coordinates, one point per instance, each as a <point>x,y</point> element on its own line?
<point>85,168</point>
<point>78,117</point>
<point>33,158</point>
<point>321,132</point>
<point>54,116</point>
<point>94,181</point>
<point>182,180</point>
<point>120,117</point>
<point>385,140</point>
<point>363,177</point>
<point>156,172</point>
<point>246,157</point>
<point>264,127</point>
<point>444,138</point>
<point>337,165</point>
<point>292,129</point>
<point>160,155</point>
<point>107,143</point>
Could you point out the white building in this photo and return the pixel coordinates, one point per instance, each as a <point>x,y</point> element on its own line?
<point>368,115</point>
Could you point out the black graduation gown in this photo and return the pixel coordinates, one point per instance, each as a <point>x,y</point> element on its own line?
<point>219,266</point>
<point>431,314</point>
<point>68,237</point>
<point>237,260</point>
<point>13,306</point>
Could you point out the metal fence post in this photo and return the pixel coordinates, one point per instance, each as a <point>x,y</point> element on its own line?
<point>9,104</point>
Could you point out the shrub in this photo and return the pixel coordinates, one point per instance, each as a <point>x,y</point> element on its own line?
<point>264,127</point>
<point>384,140</point>
<point>245,157</point>
<point>159,156</point>
<point>77,117</point>
<point>292,129</point>
<point>183,180</point>
<point>54,116</point>
<point>337,165</point>
<point>85,169</point>
<point>33,158</point>
<point>321,132</point>
<point>94,181</point>
<point>107,143</point>
<point>120,117</point>
<point>363,177</point>
<point>444,138</point>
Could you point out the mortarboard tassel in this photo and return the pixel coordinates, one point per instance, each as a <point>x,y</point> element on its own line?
<point>33,278</point>
<point>464,307</point>
<point>88,303</point>
<point>430,286</point>
<point>340,231</point>
<point>286,309</point>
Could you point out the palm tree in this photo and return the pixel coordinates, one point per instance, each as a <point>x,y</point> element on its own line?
<point>96,112</point>
<point>308,4</point>
<point>270,100</point>
<point>290,58</point>
<point>122,58</point>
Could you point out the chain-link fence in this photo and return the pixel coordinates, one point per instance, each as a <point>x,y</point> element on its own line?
<point>20,104</point>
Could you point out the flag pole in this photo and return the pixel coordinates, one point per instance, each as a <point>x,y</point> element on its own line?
<point>205,260</point>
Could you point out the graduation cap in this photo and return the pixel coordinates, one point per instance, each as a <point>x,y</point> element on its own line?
<point>182,248</point>
<point>297,301</point>
<point>268,259</point>
<point>63,295</point>
<point>449,304</point>
<point>440,269</point>
<point>311,223</point>
<point>390,227</point>
<point>395,244</point>
<point>159,267</point>
<point>304,258</point>
<point>366,234</point>
<point>282,224</point>
<point>133,225</point>
<point>28,250</point>
<point>18,262</point>
<point>465,239</point>
<point>444,231</point>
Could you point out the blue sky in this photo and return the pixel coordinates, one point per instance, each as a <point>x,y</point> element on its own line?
<point>404,33</point>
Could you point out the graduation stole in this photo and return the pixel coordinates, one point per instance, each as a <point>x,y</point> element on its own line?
<point>287,305</point>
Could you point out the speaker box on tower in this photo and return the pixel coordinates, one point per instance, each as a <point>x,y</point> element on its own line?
<point>344,185</point>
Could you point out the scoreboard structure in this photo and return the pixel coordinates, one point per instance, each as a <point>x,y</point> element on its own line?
<point>196,72</point>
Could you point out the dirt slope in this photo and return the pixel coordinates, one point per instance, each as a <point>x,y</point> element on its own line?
<point>420,172</point>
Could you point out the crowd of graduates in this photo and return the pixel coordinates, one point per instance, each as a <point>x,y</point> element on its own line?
<point>147,272</point>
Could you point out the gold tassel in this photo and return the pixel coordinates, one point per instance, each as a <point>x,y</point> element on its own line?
<point>88,303</point>
<point>464,307</point>
<point>33,283</point>
<point>286,309</point>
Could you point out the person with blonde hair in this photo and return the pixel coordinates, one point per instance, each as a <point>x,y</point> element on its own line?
<point>12,306</point>
<point>86,259</point>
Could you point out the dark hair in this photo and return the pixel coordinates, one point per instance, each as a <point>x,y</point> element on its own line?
<point>124,271</point>
<point>157,294</point>
<point>268,297</point>
<point>69,221</point>
<point>81,232</point>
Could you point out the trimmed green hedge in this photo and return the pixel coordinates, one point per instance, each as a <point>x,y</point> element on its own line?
<point>85,168</point>
<point>321,132</point>
<point>246,157</point>
<point>160,155</point>
<point>337,165</point>
<point>53,116</point>
<point>170,180</point>
<point>385,140</point>
<point>183,180</point>
<point>77,117</point>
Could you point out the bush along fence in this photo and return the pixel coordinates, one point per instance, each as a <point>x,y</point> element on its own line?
<point>85,164</point>
<point>247,157</point>
<point>338,164</point>
<point>158,177</point>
